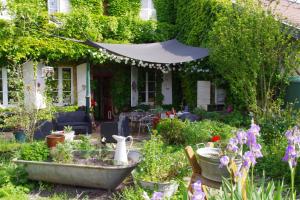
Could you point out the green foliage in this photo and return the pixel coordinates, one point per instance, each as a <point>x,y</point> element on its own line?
<point>37,151</point>
<point>160,163</point>
<point>8,149</point>
<point>255,46</point>
<point>174,131</point>
<point>68,129</point>
<point>255,56</point>
<point>273,155</point>
<point>195,19</point>
<point>121,88</point>
<point>261,191</point>
<point>166,10</point>
<point>274,123</point>
<point>62,153</point>
<point>12,192</point>
<point>79,26</point>
<point>159,97</point>
<point>235,118</point>
<point>64,109</point>
<point>130,193</point>
<point>93,6</point>
<point>124,7</point>
<point>27,35</point>
<point>84,144</point>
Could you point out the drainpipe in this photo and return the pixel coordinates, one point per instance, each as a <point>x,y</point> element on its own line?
<point>88,88</point>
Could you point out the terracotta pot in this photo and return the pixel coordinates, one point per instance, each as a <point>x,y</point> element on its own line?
<point>54,139</point>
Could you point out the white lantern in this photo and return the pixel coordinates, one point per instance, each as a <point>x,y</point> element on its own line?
<point>47,71</point>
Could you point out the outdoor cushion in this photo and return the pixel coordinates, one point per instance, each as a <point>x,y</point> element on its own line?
<point>44,128</point>
<point>78,120</point>
<point>189,116</point>
<point>77,116</point>
<point>107,130</point>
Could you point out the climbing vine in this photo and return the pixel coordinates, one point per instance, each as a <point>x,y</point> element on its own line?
<point>165,10</point>
<point>92,6</point>
<point>124,7</point>
<point>251,51</point>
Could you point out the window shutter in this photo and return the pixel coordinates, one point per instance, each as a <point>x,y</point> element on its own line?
<point>220,96</point>
<point>203,94</point>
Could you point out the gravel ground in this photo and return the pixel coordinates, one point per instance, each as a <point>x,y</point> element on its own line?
<point>74,192</point>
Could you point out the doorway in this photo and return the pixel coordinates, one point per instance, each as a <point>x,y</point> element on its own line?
<point>103,97</point>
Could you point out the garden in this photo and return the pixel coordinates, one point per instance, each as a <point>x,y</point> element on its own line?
<point>249,149</point>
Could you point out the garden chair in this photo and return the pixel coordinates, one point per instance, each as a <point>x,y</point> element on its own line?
<point>144,122</point>
<point>197,173</point>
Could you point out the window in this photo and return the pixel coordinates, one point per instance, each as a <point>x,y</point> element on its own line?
<point>147,10</point>
<point>1,87</point>
<point>9,92</point>
<point>3,10</point>
<point>147,87</point>
<point>55,6</point>
<point>61,86</point>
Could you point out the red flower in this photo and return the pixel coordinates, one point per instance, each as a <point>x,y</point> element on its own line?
<point>216,138</point>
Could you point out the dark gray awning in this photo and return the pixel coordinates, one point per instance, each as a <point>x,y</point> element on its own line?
<point>166,52</point>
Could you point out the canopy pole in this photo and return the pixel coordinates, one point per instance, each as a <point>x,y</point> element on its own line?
<point>88,87</point>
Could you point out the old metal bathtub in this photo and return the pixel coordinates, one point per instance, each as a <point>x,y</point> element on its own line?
<point>104,177</point>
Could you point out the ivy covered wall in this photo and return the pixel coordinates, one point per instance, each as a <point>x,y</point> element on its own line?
<point>123,7</point>
<point>251,51</point>
<point>29,35</point>
<point>166,10</point>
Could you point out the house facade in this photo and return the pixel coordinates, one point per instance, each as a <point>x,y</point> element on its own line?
<point>69,81</point>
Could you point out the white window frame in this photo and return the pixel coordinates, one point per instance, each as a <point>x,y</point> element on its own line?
<point>58,6</point>
<point>4,13</point>
<point>60,86</point>
<point>148,11</point>
<point>4,87</point>
<point>147,102</point>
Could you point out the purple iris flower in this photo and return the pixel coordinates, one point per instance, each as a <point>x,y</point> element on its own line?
<point>248,159</point>
<point>224,161</point>
<point>241,137</point>
<point>197,186</point>
<point>251,138</point>
<point>157,196</point>
<point>256,150</point>
<point>289,135</point>
<point>290,153</point>
<point>198,196</point>
<point>232,145</point>
<point>254,128</point>
<point>198,192</point>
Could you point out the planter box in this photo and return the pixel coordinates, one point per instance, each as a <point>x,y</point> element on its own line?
<point>104,177</point>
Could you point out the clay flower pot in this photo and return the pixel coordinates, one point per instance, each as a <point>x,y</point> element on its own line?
<point>54,139</point>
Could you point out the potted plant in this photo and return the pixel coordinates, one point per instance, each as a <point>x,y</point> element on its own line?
<point>69,133</point>
<point>159,168</point>
<point>53,139</point>
<point>18,123</point>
